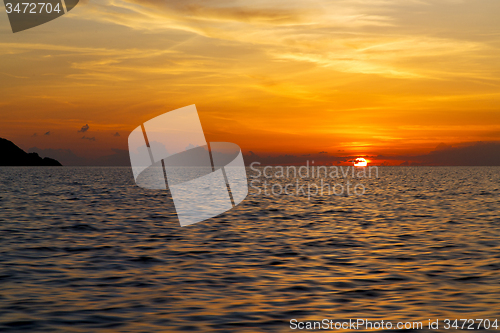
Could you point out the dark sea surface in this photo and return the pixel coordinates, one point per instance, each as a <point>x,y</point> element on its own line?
<point>85,250</point>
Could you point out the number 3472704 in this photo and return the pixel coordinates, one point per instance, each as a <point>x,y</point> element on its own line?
<point>471,324</point>
<point>32,8</point>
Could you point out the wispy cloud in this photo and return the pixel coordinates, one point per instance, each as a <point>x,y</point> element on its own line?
<point>351,36</point>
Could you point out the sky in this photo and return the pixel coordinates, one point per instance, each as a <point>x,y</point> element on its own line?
<point>388,79</point>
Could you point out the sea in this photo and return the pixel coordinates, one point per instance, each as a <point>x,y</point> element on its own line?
<point>83,249</point>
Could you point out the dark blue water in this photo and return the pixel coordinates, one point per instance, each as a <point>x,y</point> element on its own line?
<point>85,250</point>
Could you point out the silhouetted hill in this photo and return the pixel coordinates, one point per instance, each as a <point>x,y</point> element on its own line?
<point>12,155</point>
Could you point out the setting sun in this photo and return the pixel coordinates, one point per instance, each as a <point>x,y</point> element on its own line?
<point>360,162</point>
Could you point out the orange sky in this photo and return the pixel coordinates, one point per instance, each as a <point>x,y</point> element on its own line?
<point>284,77</point>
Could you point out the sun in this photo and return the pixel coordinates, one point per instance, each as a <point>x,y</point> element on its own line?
<point>360,162</point>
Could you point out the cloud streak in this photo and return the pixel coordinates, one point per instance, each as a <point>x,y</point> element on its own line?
<point>337,35</point>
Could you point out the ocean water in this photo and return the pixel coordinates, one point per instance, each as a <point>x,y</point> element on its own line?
<point>85,250</point>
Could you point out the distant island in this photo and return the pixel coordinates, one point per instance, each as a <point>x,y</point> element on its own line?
<point>12,155</point>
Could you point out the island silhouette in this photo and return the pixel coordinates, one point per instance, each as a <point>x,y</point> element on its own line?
<point>12,155</point>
